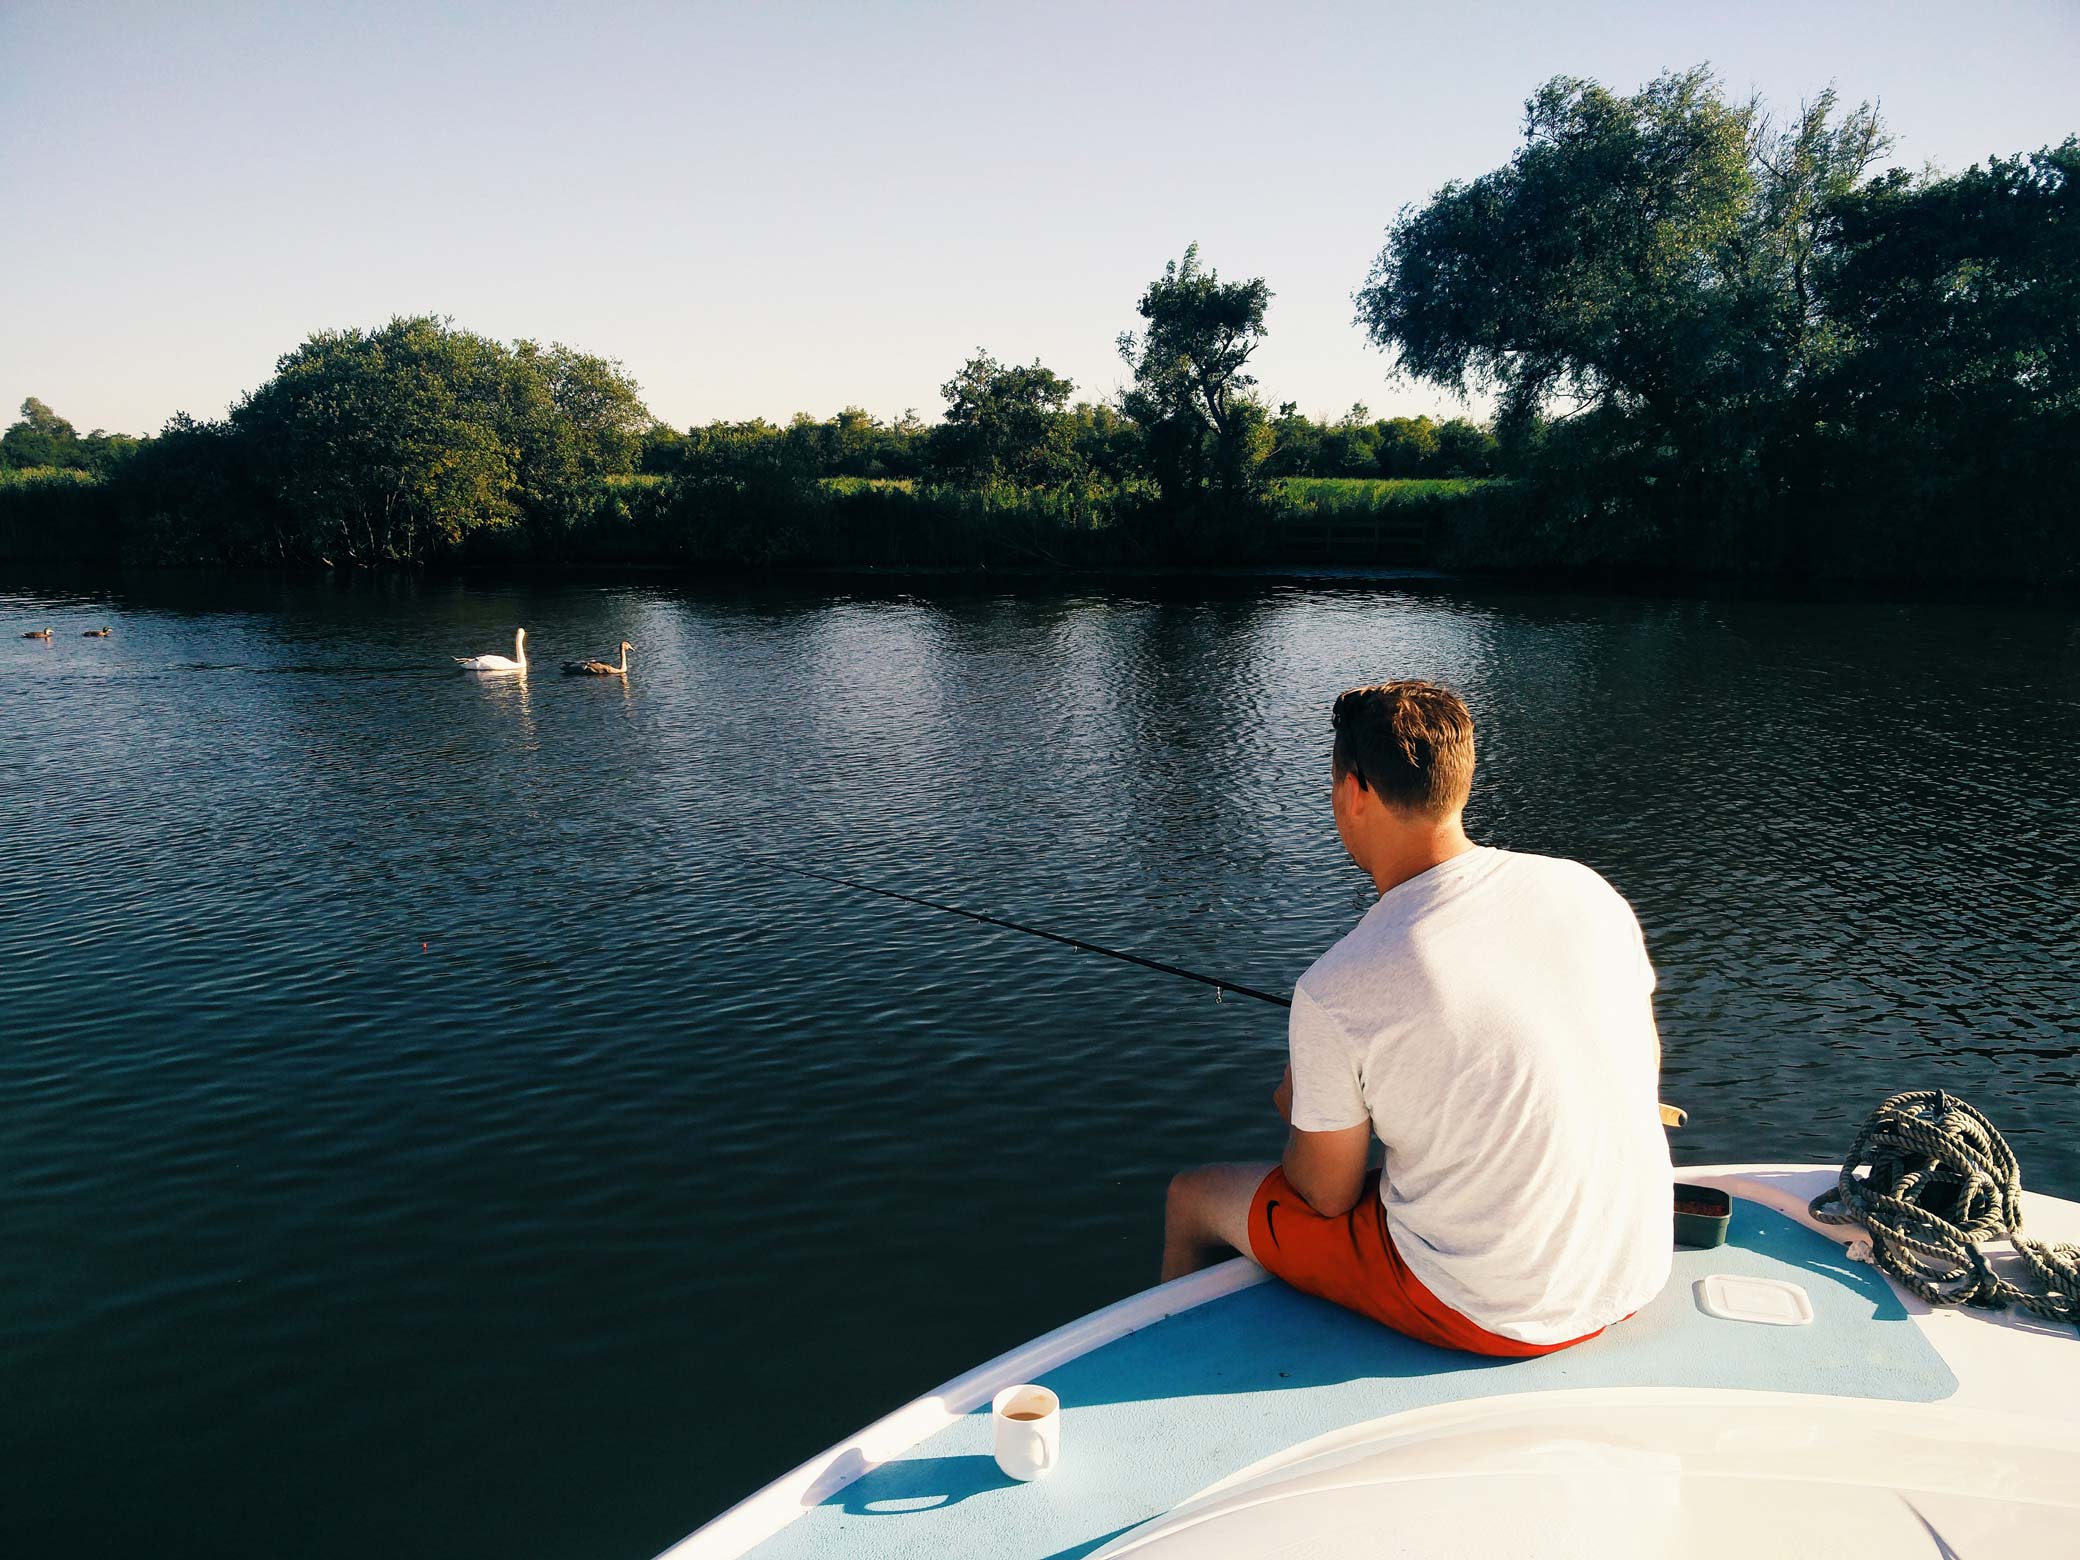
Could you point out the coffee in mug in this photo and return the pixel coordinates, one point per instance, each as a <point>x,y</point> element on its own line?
<point>1026,1422</point>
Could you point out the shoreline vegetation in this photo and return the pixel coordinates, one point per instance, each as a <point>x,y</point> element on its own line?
<point>1718,348</point>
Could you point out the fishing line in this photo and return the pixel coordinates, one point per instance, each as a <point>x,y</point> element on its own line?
<point>1671,1116</point>
<point>1219,986</point>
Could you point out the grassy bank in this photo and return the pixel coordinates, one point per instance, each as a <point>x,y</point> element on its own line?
<point>1369,495</point>
<point>835,522</point>
<point>857,522</point>
<point>1535,532</point>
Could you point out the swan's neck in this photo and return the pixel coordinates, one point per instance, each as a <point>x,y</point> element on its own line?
<point>623,667</point>
<point>520,647</point>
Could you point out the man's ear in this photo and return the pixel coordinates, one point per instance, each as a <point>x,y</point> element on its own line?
<point>1356,795</point>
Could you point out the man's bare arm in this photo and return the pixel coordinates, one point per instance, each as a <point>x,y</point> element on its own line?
<point>1326,1168</point>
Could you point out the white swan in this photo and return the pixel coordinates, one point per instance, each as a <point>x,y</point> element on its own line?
<point>498,663</point>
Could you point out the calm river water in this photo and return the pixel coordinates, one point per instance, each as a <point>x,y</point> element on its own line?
<point>426,1133</point>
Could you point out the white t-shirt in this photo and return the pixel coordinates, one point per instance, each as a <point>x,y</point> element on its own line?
<point>1493,1018</point>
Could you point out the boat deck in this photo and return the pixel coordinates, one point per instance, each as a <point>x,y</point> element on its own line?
<point>1180,1398</point>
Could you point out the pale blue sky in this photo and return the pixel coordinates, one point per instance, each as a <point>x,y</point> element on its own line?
<point>794,207</point>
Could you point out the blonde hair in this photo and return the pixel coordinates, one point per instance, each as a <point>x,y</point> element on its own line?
<point>1410,743</point>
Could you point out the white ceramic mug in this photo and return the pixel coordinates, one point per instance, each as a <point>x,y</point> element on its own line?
<point>1027,1423</point>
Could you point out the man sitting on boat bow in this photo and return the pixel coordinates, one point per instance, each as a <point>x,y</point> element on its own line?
<point>1491,1020</point>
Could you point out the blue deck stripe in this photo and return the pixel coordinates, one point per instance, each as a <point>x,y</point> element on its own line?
<point>1152,1418</point>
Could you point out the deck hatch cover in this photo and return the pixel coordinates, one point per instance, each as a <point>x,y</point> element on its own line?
<point>1742,1297</point>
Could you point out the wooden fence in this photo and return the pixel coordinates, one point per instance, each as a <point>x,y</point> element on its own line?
<point>1383,537</point>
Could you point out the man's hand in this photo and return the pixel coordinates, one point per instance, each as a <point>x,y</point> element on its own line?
<point>1282,1096</point>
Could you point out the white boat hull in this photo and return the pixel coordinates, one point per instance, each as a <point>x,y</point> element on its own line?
<point>1883,1426</point>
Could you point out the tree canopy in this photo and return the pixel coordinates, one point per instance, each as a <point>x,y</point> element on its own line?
<point>1714,337</point>
<point>1715,342</point>
<point>1600,265</point>
<point>1191,396</point>
<point>43,439</point>
<point>1006,424</point>
<point>390,444</point>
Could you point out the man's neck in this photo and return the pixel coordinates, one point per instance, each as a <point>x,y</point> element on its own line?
<point>1416,853</point>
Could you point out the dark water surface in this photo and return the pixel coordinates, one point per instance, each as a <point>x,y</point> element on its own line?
<point>424,1134</point>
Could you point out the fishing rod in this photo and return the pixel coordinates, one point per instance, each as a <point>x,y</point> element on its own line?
<point>1671,1115</point>
<point>1219,986</point>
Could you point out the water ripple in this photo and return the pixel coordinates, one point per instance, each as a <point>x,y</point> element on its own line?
<point>413,1083</point>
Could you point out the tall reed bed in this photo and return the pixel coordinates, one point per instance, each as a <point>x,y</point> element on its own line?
<point>1339,496</point>
<point>50,514</point>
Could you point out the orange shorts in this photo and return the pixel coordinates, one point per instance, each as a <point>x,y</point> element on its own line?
<point>1351,1261</point>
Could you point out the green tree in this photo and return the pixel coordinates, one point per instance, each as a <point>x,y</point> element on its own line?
<point>569,420</point>
<point>101,452</point>
<point>1464,449</point>
<point>1949,416</point>
<point>1205,430</point>
<point>749,457</point>
<point>386,445</point>
<point>1644,284</point>
<point>1296,444</point>
<point>1595,265</point>
<point>1006,423</point>
<point>1407,447</point>
<point>812,446</point>
<point>394,444</point>
<point>900,447</point>
<point>1349,447</point>
<point>194,495</point>
<point>855,443</point>
<point>40,438</point>
<point>1804,170</point>
<point>663,450</point>
<point>1964,291</point>
<point>1108,446</point>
